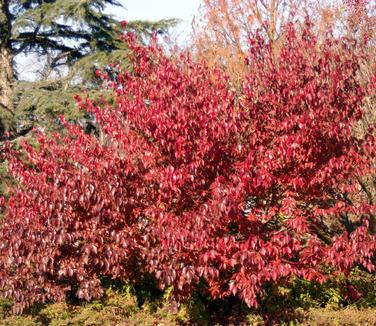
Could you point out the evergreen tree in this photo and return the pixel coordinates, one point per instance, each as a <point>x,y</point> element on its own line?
<point>6,69</point>
<point>70,37</point>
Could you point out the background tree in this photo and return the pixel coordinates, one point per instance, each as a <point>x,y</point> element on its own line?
<point>223,27</point>
<point>69,37</point>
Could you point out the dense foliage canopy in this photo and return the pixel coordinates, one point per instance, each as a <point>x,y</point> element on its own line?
<point>193,180</point>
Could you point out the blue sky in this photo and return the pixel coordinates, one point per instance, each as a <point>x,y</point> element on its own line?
<point>159,9</point>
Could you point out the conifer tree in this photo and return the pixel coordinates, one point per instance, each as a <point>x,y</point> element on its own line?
<point>70,37</point>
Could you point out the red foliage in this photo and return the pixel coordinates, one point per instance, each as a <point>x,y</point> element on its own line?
<point>163,190</point>
<point>355,3</point>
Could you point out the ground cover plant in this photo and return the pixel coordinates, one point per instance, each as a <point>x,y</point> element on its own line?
<point>194,181</point>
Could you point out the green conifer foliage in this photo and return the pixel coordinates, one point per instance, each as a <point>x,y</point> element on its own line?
<point>71,38</point>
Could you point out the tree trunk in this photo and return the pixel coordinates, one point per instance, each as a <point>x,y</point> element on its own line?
<point>6,66</point>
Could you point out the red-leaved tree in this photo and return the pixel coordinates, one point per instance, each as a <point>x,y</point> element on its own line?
<point>193,180</point>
